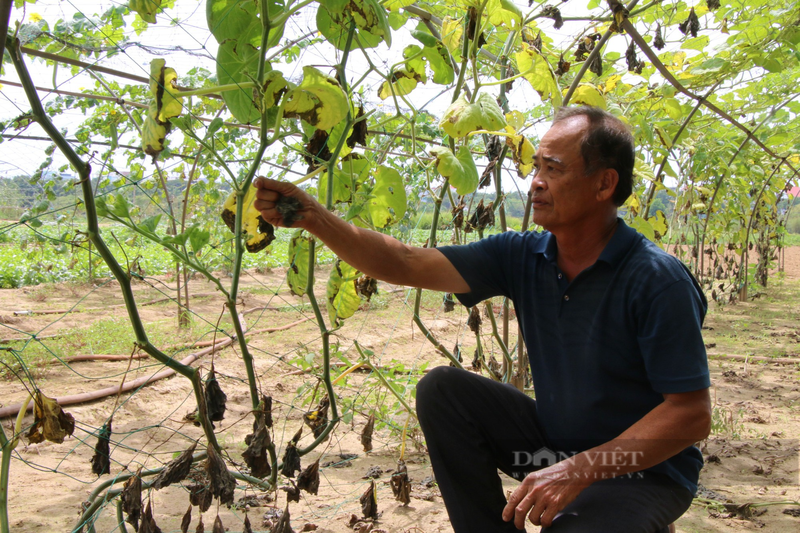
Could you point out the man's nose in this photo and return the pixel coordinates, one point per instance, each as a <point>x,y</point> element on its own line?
<point>538,184</point>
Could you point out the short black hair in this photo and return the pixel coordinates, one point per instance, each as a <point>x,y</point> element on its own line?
<point>608,143</point>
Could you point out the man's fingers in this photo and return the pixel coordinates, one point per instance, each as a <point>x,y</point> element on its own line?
<point>522,508</point>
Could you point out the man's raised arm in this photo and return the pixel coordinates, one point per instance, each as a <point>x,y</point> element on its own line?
<point>375,254</point>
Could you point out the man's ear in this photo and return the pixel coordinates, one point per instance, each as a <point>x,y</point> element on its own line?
<point>607,181</point>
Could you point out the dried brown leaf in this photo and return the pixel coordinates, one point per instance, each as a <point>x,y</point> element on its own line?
<point>308,480</point>
<point>218,527</point>
<point>215,398</point>
<point>186,520</point>
<point>317,418</point>
<point>200,495</point>
<point>366,286</point>
<point>176,470</point>
<point>132,499</point>
<point>247,527</point>
<point>283,524</point>
<point>222,483</point>
<point>401,485</point>
<point>369,502</point>
<point>359,134</point>
<point>101,460</point>
<point>50,421</point>
<point>149,522</point>
<point>201,528</point>
<point>366,433</point>
<point>474,320</point>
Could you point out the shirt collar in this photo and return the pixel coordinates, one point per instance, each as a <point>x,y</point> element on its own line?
<point>622,240</point>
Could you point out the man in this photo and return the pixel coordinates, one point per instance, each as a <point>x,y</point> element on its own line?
<point>612,325</point>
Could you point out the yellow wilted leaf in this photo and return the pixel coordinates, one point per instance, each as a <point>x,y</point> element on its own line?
<point>522,151</point>
<point>515,119</point>
<point>611,82</point>
<point>588,94</point>
<point>319,100</point>
<point>452,30</point>
<point>260,233</point>
<point>538,73</point>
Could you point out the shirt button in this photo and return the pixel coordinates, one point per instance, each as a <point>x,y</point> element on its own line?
<point>566,297</point>
<point>560,276</point>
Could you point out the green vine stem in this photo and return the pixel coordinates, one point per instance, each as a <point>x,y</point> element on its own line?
<point>509,363</point>
<point>5,466</point>
<point>418,297</point>
<point>93,232</point>
<point>366,362</point>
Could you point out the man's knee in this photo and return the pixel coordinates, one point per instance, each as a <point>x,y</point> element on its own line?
<point>434,384</point>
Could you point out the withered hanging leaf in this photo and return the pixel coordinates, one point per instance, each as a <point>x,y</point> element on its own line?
<point>291,457</point>
<point>366,286</point>
<point>620,13</point>
<point>482,217</point>
<point>456,354</point>
<point>658,40</point>
<point>221,482</point>
<point>255,456</point>
<point>563,66</point>
<point>215,398</point>
<point>596,65</point>
<point>712,4</point>
<point>509,74</point>
<point>283,524</point>
<point>537,42</point>
<point>317,150</point>
<point>359,134</point>
<point>472,24</point>
<point>132,499</point>
<point>292,492</point>
<point>724,28</point>
<point>494,147</point>
<point>449,302</point>
<point>101,460</point>
<point>186,520</point>
<point>218,527</point>
<point>495,367</point>
<point>401,485</point>
<point>288,207</point>
<point>308,480</point>
<point>477,357</point>
<point>554,13</point>
<point>631,59</point>
<point>247,527</point>
<point>366,433</point>
<point>177,469</point>
<point>691,25</point>
<point>148,521</point>
<point>50,422</point>
<point>369,502</point>
<point>474,320</point>
<point>201,528</point>
<point>458,213</point>
<point>317,418</point>
<point>200,495</point>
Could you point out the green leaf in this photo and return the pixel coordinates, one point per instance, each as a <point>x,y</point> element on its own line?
<point>297,273</point>
<point>695,43</point>
<point>715,64</point>
<point>423,36</point>
<point>334,18</point>
<point>538,73</point>
<point>396,5</point>
<point>462,118</point>
<point>179,239</point>
<point>459,169</point>
<point>439,60</point>
<point>121,208</point>
<point>319,100</point>
<point>342,298</point>
<point>147,9</point>
<point>99,204</point>
<point>354,170</point>
<point>673,108</point>
<point>240,20</point>
<point>198,238</point>
<point>588,94</point>
<point>644,227</point>
<point>389,202</point>
<point>150,225</point>
<point>504,13</point>
<point>238,63</point>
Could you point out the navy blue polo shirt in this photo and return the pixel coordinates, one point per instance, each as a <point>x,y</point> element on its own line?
<point>604,347</point>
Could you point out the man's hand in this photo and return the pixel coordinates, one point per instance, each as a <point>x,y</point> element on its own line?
<point>542,494</point>
<point>274,198</point>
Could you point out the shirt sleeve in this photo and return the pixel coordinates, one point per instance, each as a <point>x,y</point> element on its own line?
<point>484,265</point>
<point>671,340</point>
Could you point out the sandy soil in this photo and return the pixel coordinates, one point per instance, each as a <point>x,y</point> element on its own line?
<point>752,457</point>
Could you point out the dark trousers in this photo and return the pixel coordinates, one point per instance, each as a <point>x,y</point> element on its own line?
<point>473,426</point>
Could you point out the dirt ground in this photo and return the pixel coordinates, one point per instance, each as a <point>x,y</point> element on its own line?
<point>752,457</point>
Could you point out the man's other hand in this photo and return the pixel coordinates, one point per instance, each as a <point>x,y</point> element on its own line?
<point>542,494</point>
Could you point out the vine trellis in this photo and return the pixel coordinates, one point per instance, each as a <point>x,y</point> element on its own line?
<point>712,103</point>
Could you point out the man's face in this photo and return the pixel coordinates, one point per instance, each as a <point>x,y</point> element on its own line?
<point>562,194</point>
